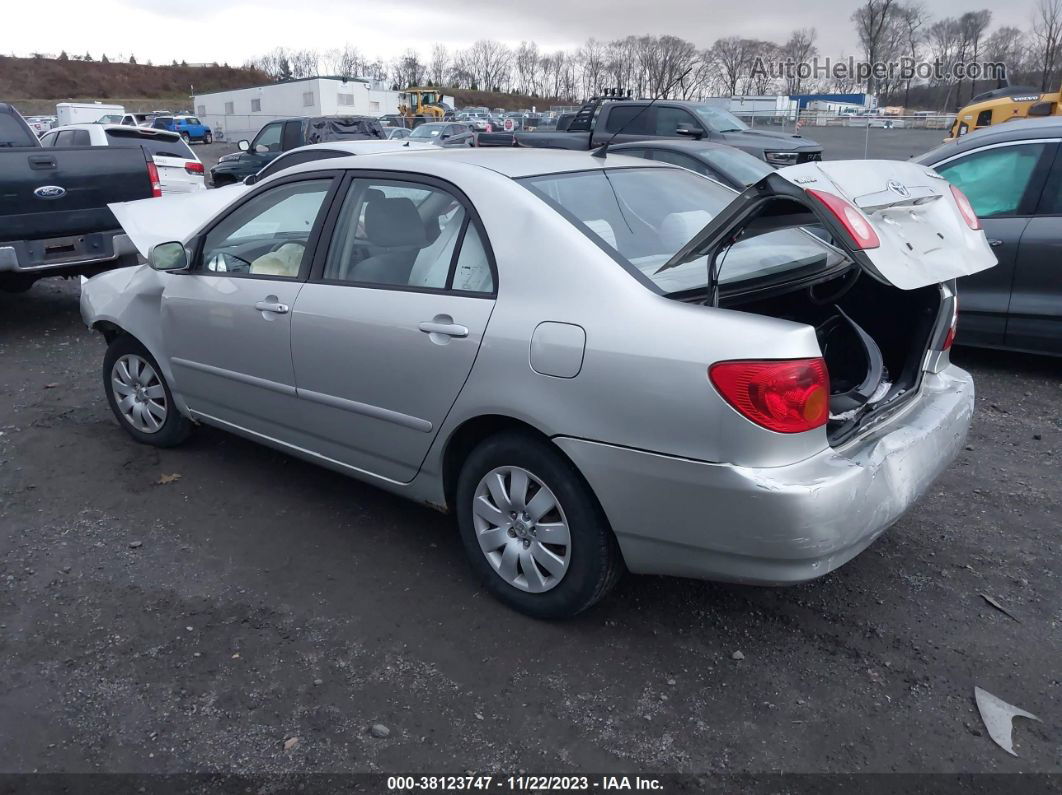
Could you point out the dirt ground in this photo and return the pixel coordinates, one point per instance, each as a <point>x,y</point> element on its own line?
<point>195,609</point>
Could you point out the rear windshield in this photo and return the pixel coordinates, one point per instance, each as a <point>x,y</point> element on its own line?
<point>12,133</point>
<point>643,216</point>
<point>165,146</point>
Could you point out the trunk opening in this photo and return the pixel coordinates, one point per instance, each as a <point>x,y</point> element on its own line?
<point>873,337</point>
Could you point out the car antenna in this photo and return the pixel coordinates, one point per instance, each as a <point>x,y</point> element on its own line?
<point>602,150</point>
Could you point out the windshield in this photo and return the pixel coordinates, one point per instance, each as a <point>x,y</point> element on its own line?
<point>719,120</point>
<point>426,132</point>
<point>643,216</point>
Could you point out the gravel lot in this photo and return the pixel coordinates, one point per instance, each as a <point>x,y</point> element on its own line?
<point>195,609</point>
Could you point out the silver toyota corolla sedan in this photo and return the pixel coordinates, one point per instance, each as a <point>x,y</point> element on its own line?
<point>595,363</point>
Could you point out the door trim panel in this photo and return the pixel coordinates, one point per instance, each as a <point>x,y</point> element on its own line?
<point>365,409</point>
<point>232,375</point>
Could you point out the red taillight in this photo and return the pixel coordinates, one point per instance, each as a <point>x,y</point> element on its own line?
<point>784,395</point>
<point>194,167</point>
<point>851,218</point>
<point>949,338</point>
<point>153,176</point>
<point>967,210</point>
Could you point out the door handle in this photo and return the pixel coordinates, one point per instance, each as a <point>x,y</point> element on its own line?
<point>995,243</point>
<point>272,306</point>
<point>447,329</point>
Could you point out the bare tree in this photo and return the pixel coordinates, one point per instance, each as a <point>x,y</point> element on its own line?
<point>528,67</point>
<point>912,21</point>
<point>800,48</point>
<point>490,61</point>
<point>1006,46</point>
<point>345,61</point>
<point>1047,37</point>
<point>873,20</point>
<point>972,26</point>
<point>304,63</point>
<point>439,65</point>
<point>408,70</point>
<point>734,57</point>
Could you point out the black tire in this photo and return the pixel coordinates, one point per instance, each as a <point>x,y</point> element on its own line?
<point>175,428</point>
<point>187,138</point>
<point>595,560</point>
<point>208,138</point>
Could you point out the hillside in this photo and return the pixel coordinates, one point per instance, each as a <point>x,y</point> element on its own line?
<point>47,79</point>
<point>34,85</point>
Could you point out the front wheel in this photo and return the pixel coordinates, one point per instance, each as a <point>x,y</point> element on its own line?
<point>187,138</point>
<point>139,396</point>
<point>533,529</point>
<point>208,138</point>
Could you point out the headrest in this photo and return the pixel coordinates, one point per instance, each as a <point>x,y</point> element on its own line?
<point>393,223</point>
<point>678,229</point>
<point>603,229</point>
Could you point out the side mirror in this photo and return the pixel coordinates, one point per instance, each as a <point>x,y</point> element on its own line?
<point>244,146</point>
<point>444,136</point>
<point>261,149</point>
<point>690,132</point>
<point>1040,109</point>
<point>168,257</point>
<point>250,179</point>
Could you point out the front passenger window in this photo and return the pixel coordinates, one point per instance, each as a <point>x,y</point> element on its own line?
<point>269,235</point>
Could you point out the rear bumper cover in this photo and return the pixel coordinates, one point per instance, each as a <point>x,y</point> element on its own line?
<point>91,251</point>
<point>777,525</point>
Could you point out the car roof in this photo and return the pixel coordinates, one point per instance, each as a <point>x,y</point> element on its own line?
<point>1018,130</point>
<point>512,162</point>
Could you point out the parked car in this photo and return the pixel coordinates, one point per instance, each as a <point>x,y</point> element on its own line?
<point>544,344</point>
<point>54,218</point>
<point>283,135</point>
<point>439,133</point>
<point>313,152</point>
<point>396,133</point>
<point>732,167</point>
<point>1012,175</point>
<point>41,124</point>
<point>602,120</point>
<point>179,170</point>
<point>188,127</point>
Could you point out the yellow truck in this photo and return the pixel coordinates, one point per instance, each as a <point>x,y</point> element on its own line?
<point>1002,105</point>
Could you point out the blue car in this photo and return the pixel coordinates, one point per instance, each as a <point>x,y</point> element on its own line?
<point>189,127</point>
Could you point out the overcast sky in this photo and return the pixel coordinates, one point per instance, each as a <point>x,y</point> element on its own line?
<point>234,30</point>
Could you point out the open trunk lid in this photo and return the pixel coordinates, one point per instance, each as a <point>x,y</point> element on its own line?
<point>923,237</point>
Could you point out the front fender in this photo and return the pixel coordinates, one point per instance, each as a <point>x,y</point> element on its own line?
<point>131,300</point>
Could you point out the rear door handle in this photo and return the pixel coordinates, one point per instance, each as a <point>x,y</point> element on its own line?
<point>995,243</point>
<point>272,306</point>
<point>449,329</point>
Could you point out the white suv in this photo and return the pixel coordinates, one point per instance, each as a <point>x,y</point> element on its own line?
<point>179,170</point>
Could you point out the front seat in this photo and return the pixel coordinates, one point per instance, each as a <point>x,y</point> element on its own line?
<point>395,227</point>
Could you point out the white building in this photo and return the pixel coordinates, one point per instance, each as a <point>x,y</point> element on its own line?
<point>241,113</point>
<point>753,108</point>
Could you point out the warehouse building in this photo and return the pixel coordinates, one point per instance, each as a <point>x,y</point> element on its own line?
<point>241,113</point>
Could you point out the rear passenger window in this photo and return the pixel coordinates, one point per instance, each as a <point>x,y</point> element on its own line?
<point>406,234</point>
<point>994,180</point>
<point>631,119</point>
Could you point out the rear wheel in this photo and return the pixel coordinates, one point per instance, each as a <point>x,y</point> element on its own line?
<point>533,529</point>
<point>208,138</point>
<point>139,395</point>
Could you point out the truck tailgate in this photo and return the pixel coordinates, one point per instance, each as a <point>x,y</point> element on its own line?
<point>52,192</point>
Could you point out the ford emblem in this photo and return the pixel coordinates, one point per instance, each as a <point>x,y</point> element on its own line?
<point>49,192</point>
<point>898,188</point>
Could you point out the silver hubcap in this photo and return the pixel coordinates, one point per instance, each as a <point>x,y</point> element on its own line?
<point>521,529</point>
<point>139,394</point>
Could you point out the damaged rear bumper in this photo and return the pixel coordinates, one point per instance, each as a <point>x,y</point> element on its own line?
<point>776,525</point>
